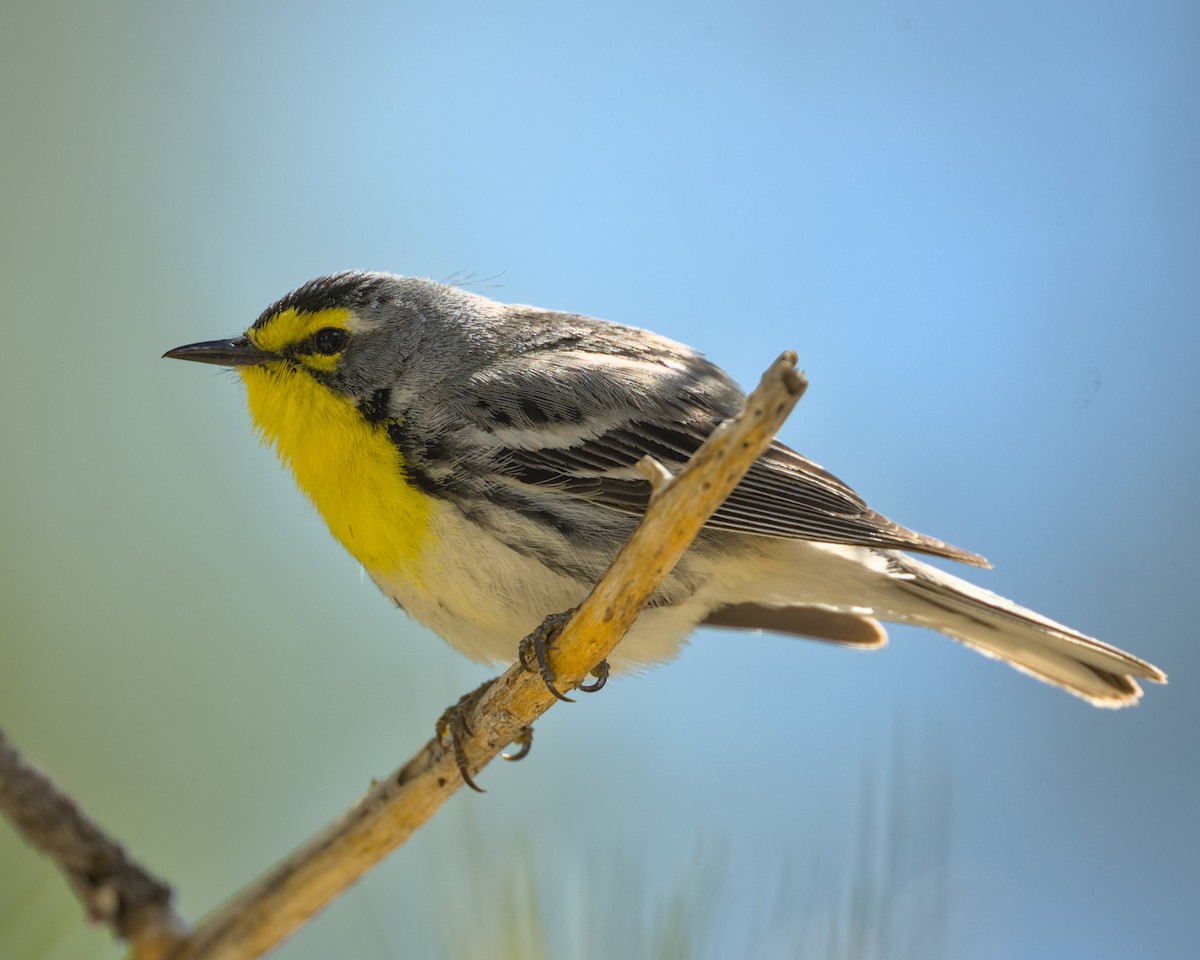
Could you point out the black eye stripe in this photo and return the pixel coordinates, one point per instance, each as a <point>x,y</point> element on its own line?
<point>329,340</point>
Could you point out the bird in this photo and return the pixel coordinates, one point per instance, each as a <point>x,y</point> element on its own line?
<point>479,460</point>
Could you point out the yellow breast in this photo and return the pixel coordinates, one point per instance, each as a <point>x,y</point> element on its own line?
<point>348,467</point>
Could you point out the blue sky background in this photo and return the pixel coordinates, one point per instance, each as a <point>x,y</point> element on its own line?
<point>978,225</point>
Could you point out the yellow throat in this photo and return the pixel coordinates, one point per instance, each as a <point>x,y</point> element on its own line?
<point>347,466</point>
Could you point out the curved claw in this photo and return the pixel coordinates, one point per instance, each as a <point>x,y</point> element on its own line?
<point>600,672</point>
<point>538,644</point>
<point>554,690</point>
<point>455,724</point>
<point>524,742</point>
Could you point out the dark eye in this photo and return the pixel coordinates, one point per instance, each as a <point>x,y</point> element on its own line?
<point>329,340</point>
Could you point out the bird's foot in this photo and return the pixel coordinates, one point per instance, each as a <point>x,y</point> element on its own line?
<point>454,725</point>
<point>524,742</point>
<point>534,655</point>
<point>534,651</point>
<point>600,672</point>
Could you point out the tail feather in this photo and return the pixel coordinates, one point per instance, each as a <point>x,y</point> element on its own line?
<point>813,623</point>
<point>1036,645</point>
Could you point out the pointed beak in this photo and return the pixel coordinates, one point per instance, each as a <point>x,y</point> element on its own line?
<point>226,353</point>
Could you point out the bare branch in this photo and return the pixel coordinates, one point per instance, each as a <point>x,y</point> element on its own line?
<point>137,906</point>
<point>279,902</point>
<point>114,889</point>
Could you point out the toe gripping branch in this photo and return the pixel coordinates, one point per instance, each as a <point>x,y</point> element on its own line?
<point>534,654</point>
<point>454,725</point>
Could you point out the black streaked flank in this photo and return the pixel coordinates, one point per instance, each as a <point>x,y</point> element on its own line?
<point>351,288</point>
<point>421,458</point>
<point>413,457</point>
<point>581,552</point>
<point>434,450</point>
<point>556,521</point>
<point>375,407</point>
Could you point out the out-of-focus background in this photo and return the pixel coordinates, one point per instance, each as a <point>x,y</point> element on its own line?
<point>978,225</point>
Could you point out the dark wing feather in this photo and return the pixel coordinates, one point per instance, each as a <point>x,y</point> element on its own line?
<point>569,375</point>
<point>783,494</point>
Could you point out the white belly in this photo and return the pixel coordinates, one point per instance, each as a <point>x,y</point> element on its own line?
<point>482,597</point>
<point>479,595</point>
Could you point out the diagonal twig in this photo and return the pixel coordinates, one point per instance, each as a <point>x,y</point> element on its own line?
<point>272,907</point>
<point>137,906</point>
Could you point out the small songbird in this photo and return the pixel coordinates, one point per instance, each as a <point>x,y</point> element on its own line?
<point>478,459</point>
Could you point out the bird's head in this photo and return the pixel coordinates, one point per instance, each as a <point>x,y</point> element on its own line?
<point>351,332</point>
